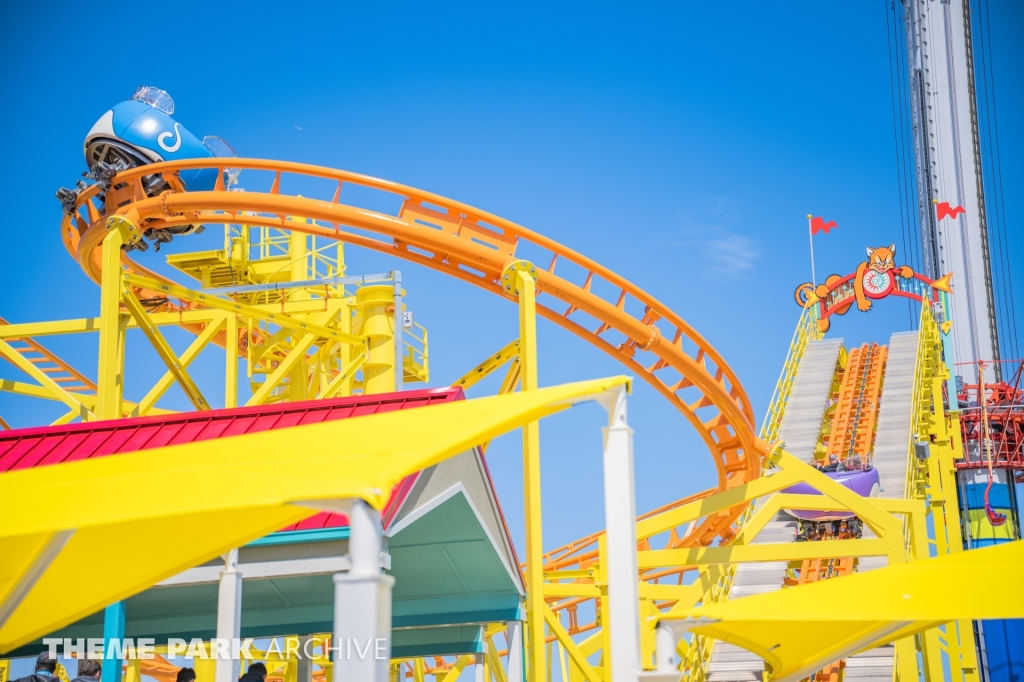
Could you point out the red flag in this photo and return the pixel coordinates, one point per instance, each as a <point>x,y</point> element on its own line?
<point>819,225</point>
<point>944,209</point>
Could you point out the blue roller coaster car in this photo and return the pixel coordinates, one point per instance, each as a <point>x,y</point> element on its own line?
<point>138,132</point>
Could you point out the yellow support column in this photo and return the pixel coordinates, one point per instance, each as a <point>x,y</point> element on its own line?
<point>344,351</point>
<point>298,251</point>
<point>205,667</point>
<point>519,279</point>
<point>379,368</point>
<point>163,350</point>
<point>109,370</point>
<point>132,670</point>
<point>231,362</point>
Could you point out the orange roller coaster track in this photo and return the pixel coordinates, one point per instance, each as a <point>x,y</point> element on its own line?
<point>473,246</point>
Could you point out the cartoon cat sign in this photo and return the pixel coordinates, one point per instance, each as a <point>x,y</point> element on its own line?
<point>875,278</point>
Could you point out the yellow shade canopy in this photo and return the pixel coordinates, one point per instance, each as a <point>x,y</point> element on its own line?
<point>68,531</point>
<point>802,629</point>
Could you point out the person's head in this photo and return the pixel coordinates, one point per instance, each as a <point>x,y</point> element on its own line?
<point>87,667</point>
<point>833,459</point>
<point>257,668</point>
<point>186,675</point>
<point>45,663</point>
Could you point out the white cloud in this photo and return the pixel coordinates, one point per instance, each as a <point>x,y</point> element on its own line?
<point>730,253</point>
<point>708,230</point>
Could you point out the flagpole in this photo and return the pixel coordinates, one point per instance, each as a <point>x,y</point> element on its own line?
<point>810,237</point>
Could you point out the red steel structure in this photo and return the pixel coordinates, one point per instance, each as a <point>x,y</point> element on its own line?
<point>1003,404</point>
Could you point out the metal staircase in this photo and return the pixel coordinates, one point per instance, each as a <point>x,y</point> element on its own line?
<point>892,442</point>
<point>892,439</point>
<point>800,428</point>
<point>802,423</point>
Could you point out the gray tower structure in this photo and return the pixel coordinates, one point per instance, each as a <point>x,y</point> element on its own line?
<point>947,154</point>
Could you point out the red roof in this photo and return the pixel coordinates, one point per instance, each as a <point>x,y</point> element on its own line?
<point>45,445</point>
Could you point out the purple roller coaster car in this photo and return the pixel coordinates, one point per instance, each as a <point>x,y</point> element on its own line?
<point>852,473</point>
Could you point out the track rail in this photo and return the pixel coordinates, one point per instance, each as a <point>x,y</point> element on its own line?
<point>473,246</point>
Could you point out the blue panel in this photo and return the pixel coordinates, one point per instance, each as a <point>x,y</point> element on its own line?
<point>447,641</point>
<point>482,616</point>
<point>113,628</point>
<point>987,542</point>
<point>1004,644</point>
<point>288,537</point>
<point>998,497</point>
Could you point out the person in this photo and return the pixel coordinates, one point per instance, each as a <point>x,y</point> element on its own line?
<point>257,672</point>
<point>88,670</point>
<point>186,675</point>
<point>45,670</point>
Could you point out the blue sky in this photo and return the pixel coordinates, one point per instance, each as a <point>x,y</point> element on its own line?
<point>680,144</point>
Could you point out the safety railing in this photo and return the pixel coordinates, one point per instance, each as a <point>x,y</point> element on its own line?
<point>929,349</point>
<point>416,360</point>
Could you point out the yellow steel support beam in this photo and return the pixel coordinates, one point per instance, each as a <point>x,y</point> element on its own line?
<point>344,376</point>
<point>508,384</point>
<point>945,507</point>
<point>485,368</point>
<point>92,324</point>
<point>571,590</point>
<point>456,670</point>
<point>57,327</point>
<point>146,405</point>
<point>295,355</point>
<point>231,361</point>
<point>161,319</point>
<point>878,519</point>
<point>758,519</point>
<point>110,373</point>
<point>683,514</point>
<point>820,503</point>
<point>164,350</point>
<point>696,591</point>
<point>788,551</point>
<point>54,389</point>
<point>243,309</point>
<point>570,647</point>
<point>65,418</point>
<point>524,286</point>
<point>269,344</point>
<point>32,391</point>
<point>494,663</point>
<point>511,380</point>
